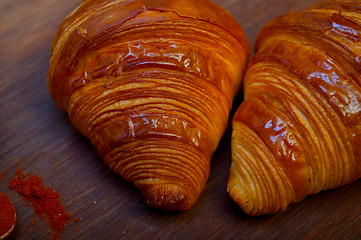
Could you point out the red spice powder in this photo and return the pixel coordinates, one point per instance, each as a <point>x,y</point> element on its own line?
<point>45,201</point>
<point>7,214</point>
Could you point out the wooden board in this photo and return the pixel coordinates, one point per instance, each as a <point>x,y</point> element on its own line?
<point>37,135</point>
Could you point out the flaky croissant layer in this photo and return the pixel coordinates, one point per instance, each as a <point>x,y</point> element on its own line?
<point>151,84</point>
<point>298,131</point>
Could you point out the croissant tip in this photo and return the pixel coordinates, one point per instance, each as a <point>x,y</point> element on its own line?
<point>170,197</point>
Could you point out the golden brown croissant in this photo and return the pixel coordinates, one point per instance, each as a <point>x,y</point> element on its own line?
<point>298,130</point>
<point>151,84</point>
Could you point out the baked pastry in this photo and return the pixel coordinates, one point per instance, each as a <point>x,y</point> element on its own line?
<point>151,84</point>
<point>298,130</point>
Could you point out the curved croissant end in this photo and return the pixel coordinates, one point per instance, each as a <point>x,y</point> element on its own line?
<point>151,84</point>
<point>298,130</point>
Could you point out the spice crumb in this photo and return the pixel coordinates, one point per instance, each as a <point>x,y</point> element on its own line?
<point>45,201</point>
<point>8,216</point>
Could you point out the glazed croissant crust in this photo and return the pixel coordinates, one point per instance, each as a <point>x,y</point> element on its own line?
<point>151,84</point>
<point>298,131</point>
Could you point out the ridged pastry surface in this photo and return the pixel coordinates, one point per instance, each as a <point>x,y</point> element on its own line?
<point>151,84</point>
<point>298,131</point>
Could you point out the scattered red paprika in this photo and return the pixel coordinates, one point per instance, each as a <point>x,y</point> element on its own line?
<point>8,216</point>
<point>45,201</point>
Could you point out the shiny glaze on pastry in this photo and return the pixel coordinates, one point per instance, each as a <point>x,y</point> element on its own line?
<point>298,131</point>
<point>151,84</point>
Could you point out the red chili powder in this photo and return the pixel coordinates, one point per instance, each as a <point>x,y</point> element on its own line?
<point>7,215</point>
<point>45,201</point>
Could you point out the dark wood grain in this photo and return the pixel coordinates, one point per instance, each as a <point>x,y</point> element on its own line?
<point>37,135</point>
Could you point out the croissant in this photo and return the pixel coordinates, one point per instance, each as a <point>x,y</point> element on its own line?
<point>298,130</point>
<point>151,84</point>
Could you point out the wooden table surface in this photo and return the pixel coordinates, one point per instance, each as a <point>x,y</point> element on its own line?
<point>37,135</point>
